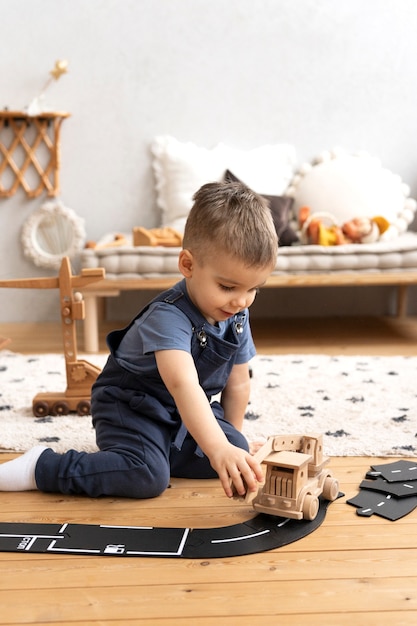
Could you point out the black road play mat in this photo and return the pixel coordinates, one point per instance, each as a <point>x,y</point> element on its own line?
<point>390,491</point>
<point>262,533</point>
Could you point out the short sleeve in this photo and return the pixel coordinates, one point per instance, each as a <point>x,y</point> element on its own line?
<point>164,327</point>
<point>161,327</point>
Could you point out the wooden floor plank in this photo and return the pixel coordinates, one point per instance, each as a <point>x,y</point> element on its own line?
<point>34,572</point>
<point>186,600</point>
<point>386,618</point>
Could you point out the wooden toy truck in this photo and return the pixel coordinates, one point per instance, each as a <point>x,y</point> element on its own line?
<point>295,477</point>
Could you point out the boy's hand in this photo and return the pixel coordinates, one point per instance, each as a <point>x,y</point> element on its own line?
<point>237,468</point>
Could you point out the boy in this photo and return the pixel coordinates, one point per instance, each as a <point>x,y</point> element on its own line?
<point>151,404</point>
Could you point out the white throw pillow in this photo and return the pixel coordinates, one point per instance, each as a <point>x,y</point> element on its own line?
<point>348,186</point>
<point>181,168</point>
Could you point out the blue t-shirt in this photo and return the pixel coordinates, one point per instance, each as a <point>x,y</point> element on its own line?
<point>164,326</point>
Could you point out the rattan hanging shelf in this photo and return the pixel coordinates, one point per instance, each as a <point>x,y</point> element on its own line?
<point>30,152</point>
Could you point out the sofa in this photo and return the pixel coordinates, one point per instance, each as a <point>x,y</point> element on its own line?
<point>336,186</point>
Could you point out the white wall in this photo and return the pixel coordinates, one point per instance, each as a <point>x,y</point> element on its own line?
<point>315,73</point>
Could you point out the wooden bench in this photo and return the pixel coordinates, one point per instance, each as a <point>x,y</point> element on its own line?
<point>95,293</point>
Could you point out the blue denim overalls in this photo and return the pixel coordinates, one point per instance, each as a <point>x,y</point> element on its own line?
<point>139,432</point>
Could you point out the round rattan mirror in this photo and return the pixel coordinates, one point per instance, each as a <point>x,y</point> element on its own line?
<point>52,232</point>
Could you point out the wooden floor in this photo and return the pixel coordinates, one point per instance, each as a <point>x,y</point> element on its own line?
<point>351,570</point>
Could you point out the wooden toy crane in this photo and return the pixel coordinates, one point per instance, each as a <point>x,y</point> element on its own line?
<point>80,374</point>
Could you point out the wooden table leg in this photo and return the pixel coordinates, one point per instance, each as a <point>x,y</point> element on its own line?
<point>91,339</point>
<point>93,310</point>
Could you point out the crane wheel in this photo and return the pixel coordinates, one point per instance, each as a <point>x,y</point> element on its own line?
<point>60,408</point>
<point>83,407</point>
<point>40,408</point>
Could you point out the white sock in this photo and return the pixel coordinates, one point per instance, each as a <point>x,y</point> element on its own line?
<point>19,474</point>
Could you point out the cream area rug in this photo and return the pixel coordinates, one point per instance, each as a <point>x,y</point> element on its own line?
<point>363,405</point>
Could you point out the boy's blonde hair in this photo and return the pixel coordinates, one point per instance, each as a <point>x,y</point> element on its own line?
<point>229,217</point>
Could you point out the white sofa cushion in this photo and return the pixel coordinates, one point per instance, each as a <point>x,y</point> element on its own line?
<point>181,168</point>
<point>348,186</point>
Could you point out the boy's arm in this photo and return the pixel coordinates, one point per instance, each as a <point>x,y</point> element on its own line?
<point>232,464</point>
<point>235,396</point>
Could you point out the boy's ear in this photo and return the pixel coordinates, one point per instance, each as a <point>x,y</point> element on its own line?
<point>186,263</point>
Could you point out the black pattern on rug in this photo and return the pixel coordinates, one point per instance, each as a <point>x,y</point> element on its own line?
<point>362,405</point>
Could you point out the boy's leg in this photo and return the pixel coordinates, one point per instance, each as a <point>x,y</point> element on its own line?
<point>133,461</point>
<point>130,463</point>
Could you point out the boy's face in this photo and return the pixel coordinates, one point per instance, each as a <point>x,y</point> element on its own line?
<point>221,286</point>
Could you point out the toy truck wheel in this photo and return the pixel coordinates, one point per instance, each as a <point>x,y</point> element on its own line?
<point>40,408</point>
<point>83,407</point>
<point>60,408</point>
<point>310,507</point>
<point>330,488</point>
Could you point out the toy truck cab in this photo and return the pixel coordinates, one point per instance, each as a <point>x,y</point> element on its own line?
<point>294,477</point>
